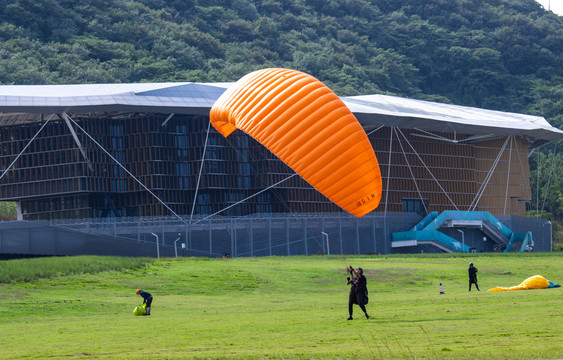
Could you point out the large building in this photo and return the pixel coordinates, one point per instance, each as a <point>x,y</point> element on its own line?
<point>147,150</point>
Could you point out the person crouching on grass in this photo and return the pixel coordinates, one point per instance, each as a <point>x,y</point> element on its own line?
<point>147,299</point>
<point>358,291</point>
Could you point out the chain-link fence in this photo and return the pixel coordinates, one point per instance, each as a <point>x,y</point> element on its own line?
<point>277,234</point>
<point>24,238</point>
<point>258,235</point>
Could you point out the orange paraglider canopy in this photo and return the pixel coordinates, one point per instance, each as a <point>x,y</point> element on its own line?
<point>308,127</point>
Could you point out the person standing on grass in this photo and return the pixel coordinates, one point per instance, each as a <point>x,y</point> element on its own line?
<point>472,276</point>
<point>147,299</point>
<point>358,291</point>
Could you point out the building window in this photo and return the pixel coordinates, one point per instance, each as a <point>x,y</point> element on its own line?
<point>416,206</point>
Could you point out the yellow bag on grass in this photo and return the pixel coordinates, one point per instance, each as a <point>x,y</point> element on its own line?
<point>140,310</point>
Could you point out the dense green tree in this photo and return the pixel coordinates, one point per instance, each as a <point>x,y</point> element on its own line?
<point>7,211</point>
<point>546,185</point>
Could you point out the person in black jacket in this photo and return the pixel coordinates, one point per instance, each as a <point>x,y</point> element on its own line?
<point>472,276</point>
<point>147,299</point>
<point>358,291</point>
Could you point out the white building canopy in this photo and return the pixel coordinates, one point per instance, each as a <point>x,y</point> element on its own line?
<point>198,98</point>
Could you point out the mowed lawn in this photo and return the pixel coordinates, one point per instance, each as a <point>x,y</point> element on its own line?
<point>282,308</point>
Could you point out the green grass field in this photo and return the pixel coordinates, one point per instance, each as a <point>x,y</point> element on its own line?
<point>279,308</point>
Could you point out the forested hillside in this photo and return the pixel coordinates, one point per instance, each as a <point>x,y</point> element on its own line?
<point>496,54</point>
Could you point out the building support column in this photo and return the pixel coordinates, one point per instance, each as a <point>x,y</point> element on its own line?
<point>508,175</point>
<point>305,235</point>
<point>19,215</point>
<point>66,118</point>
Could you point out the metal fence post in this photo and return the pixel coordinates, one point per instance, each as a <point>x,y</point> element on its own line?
<point>270,235</point>
<point>210,238</point>
<point>162,230</point>
<point>233,240</point>
<point>340,235</point>
<point>385,247</point>
<point>157,248</point>
<point>188,240</point>
<point>374,236</point>
<point>305,236</point>
<point>251,238</point>
<point>358,234</point>
<point>287,235</point>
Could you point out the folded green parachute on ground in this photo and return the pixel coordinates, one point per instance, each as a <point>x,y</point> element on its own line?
<point>140,310</point>
<point>533,282</point>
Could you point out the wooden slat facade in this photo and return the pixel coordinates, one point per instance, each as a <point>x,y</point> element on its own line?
<point>52,178</point>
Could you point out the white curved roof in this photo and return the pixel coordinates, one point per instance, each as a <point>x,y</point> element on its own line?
<point>151,97</point>
<point>198,98</point>
<point>377,110</point>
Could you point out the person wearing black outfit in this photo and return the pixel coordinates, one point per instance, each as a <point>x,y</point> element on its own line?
<point>358,291</point>
<point>472,276</point>
<point>147,299</point>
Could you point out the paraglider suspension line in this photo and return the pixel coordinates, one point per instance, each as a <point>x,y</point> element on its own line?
<point>549,179</point>
<point>127,171</point>
<point>487,178</point>
<point>412,175</point>
<point>426,167</point>
<point>200,170</point>
<point>243,200</point>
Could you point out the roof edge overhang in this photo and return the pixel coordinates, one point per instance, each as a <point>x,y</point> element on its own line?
<point>197,99</point>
